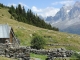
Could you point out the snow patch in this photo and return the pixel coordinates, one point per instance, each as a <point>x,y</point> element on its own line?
<point>68,11</point>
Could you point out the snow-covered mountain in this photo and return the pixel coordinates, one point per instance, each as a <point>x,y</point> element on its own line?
<point>67,19</point>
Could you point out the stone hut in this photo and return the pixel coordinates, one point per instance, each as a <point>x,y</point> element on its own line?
<point>7,33</point>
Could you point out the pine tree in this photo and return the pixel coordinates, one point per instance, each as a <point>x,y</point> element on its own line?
<point>12,9</point>
<point>23,12</point>
<point>19,9</point>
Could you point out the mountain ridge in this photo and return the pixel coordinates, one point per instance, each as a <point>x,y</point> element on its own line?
<point>67,17</point>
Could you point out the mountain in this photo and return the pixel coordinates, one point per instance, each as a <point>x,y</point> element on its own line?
<point>48,19</point>
<point>61,15</point>
<point>67,19</point>
<point>73,29</point>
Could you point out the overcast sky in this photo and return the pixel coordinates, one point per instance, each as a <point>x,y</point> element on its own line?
<point>41,7</point>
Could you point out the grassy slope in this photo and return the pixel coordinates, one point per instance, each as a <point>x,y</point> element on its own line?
<point>41,57</point>
<point>23,32</point>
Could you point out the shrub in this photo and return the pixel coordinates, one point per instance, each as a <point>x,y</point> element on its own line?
<point>2,15</point>
<point>37,42</point>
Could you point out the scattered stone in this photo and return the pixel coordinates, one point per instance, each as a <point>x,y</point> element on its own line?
<point>30,35</point>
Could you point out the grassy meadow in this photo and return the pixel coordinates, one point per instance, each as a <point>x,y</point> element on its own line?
<point>25,32</point>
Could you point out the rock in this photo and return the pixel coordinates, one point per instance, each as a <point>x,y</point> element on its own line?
<point>30,35</point>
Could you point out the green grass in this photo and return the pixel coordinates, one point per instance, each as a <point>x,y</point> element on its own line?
<point>5,58</point>
<point>41,57</point>
<point>23,32</point>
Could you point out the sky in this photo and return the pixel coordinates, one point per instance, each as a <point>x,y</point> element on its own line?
<point>41,7</point>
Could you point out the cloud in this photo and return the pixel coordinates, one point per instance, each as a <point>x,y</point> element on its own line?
<point>66,2</point>
<point>12,4</point>
<point>49,11</point>
<point>22,4</point>
<point>36,10</point>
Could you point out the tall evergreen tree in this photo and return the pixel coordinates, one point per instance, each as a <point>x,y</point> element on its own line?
<point>23,12</point>
<point>19,9</point>
<point>12,9</point>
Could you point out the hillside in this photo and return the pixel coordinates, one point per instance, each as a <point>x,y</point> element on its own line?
<point>19,13</point>
<point>25,32</point>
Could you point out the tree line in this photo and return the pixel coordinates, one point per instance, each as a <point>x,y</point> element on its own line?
<point>3,6</point>
<point>19,13</point>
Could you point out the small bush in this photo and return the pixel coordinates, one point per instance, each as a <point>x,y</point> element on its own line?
<point>76,55</point>
<point>37,42</point>
<point>2,15</point>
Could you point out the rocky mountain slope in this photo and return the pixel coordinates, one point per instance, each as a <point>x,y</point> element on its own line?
<point>67,19</point>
